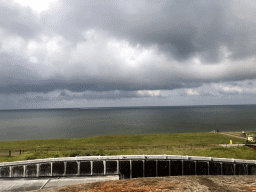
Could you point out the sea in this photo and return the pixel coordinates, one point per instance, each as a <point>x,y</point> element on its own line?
<point>30,124</point>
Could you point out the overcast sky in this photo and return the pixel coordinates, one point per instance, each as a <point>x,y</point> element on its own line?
<point>126,53</point>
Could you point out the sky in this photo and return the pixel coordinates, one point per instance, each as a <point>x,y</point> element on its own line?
<point>68,54</point>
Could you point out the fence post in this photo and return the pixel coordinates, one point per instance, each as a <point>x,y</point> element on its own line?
<point>20,152</point>
<point>10,153</point>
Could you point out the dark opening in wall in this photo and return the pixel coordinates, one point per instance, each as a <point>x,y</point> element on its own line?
<point>137,169</point>
<point>45,169</point>
<point>98,168</point>
<point>85,167</point>
<point>189,167</point>
<point>215,168</point>
<point>201,168</point>
<point>58,168</point>
<point>150,168</point>
<point>228,168</point>
<point>71,168</point>
<point>163,168</point>
<point>5,171</point>
<point>17,171</point>
<point>31,170</point>
<point>111,167</point>
<point>124,168</point>
<point>176,168</point>
<point>241,169</point>
<point>251,169</point>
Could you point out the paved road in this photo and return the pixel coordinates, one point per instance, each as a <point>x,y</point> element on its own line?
<point>7,185</point>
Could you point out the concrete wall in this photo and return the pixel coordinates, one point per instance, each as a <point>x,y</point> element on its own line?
<point>127,166</point>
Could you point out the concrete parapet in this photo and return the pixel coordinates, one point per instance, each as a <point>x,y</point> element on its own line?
<point>127,166</point>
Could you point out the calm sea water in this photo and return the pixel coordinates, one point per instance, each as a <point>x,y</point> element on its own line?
<point>77,123</point>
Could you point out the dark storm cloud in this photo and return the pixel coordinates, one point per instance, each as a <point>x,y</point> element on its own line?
<point>13,85</point>
<point>179,28</point>
<point>14,71</point>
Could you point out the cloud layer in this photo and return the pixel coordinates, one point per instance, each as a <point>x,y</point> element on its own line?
<point>77,52</point>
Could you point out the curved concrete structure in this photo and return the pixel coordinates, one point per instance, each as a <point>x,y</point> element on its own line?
<point>127,166</point>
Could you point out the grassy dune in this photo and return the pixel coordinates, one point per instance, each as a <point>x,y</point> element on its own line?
<point>194,144</point>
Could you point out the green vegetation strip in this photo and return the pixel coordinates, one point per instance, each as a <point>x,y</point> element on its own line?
<point>192,144</point>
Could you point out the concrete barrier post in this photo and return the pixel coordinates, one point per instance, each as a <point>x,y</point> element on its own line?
<point>51,170</point>
<point>105,167</point>
<point>65,168</point>
<point>117,167</point>
<point>37,169</point>
<point>10,173</point>
<point>78,167</point>
<point>170,168</point>
<point>130,169</point>
<point>156,168</point>
<point>208,165</point>
<point>221,168</point>
<point>91,167</point>
<point>24,172</point>
<point>143,161</point>
<point>195,167</point>
<point>182,167</point>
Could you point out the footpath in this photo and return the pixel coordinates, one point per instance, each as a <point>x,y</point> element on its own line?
<point>228,134</point>
<point>233,145</point>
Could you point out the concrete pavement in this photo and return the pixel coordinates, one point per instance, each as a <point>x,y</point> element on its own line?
<point>7,185</point>
<point>233,145</point>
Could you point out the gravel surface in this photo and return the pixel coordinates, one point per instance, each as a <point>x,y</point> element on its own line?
<point>178,183</point>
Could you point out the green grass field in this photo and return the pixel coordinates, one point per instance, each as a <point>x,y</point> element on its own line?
<point>192,144</point>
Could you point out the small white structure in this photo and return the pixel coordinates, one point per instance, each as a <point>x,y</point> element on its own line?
<point>250,138</point>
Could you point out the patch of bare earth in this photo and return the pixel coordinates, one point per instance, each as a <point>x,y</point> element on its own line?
<point>178,183</point>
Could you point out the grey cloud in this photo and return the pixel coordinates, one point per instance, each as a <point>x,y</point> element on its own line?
<point>179,28</point>
<point>19,21</point>
<point>99,95</point>
<point>14,70</point>
<point>36,99</point>
<point>51,85</point>
<point>88,95</point>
